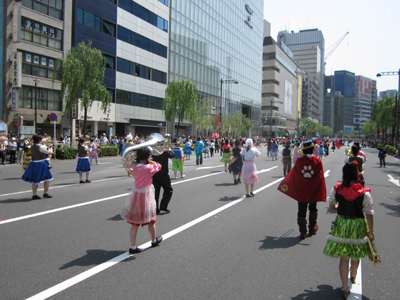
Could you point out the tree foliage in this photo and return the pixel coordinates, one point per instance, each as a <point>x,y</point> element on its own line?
<point>181,97</point>
<point>238,124</point>
<point>81,74</point>
<point>204,119</point>
<point>383,114</point>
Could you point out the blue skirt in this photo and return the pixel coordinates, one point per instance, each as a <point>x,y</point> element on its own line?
<point>37,172</point>
<point>187,150</point>
<point>83,165</point>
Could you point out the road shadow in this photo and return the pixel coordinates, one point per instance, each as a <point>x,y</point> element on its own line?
<point>226,198</point>
<point>324,291</point>
<point>282,242</point>
<point>115,218</point>
<point>18,200</point>
<point>395,209</point>
<point>94,257</point>
<point>17,178</point>
<point>216,172</point>
<point>224,184</point>
<point>72,172</point>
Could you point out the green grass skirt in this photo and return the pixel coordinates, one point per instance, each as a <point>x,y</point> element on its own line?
<point>348,238</point>
<point>226,158</point>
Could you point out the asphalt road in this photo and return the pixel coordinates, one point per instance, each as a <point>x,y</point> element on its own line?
<point>217,244</point>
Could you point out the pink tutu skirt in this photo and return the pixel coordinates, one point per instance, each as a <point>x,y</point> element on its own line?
<point>140,206</point>
<point>249,172</point>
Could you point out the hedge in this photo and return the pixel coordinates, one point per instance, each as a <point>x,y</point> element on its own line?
<point>70,153</point>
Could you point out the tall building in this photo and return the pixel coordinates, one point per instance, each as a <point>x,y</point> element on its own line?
<point>387,93</point>
<point>39,33</point>
<point>329,100</point>
<point>133,37</point>
<point>308,47</point>
<point>281,90</point>
<point>364,96</point>
<point>345,84</point>
<point>214,43</point>
<point>1,56</point>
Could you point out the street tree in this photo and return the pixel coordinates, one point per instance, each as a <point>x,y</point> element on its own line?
<point>204,119</point>
<point>181,97</point>
<point>82,74</point>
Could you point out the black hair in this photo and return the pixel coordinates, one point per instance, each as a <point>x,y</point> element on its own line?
<point>91,140</point>
<point>226,142</point>
<point>237,143</point>
<point>81,141</point>
<point>143,154</point>
<point>350,173</point>
<point>355,149</point>
<point>37,138</point>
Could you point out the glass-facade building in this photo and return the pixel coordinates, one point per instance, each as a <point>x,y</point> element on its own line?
<point>1,58</point>
<point>214,40</point>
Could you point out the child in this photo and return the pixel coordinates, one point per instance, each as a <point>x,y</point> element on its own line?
<point>249,170</point>
<point>274,150</point>
<point>236,164</point>
<point>93,152</point>
<point>140,206</point>
<point>187,151</point>
<point>321,151</point>
<point>199,151</point>
<point>177,163</point>
<point>287,159</point>
<point>296,153</point>
<point>226,157</point>
<point>206,150</point>
<point>83,165</point>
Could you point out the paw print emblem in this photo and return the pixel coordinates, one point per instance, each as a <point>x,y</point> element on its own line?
<point>284,188</point>
<point>307,172</point>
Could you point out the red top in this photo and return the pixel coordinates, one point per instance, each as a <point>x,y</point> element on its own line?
<point>226,148</point>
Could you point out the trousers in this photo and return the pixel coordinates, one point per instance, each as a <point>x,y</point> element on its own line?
<point>162,181</point>
<point>302,212</point>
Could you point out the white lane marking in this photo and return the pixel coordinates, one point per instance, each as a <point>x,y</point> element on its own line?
<point>395,181</point>
<point>93,271</point>
<point>60,209</point>
<point>326,174</point>
<point>356,288</point>
<point>205,168</point>
<point>59,186</point>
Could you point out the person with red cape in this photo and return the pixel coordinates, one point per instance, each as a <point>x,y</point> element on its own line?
<point>306,184</point>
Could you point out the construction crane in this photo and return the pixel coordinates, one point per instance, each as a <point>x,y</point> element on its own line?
<point>335,45</point>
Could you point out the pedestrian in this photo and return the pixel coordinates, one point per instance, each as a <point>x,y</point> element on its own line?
<point>20,150</point>
<point>348,237</point>
<point>354,156</point>
<point>274,150</point>
<point>217,145</point>
<point>177,163</point>
<point>226,156</point>
<point>199,151</point>
<point>212,148</point>
<point>161,179</point>
<point>306,184</point>
<point>206,149</point>
<point>333,147</point>
<point>321,151</point>
<point>12,150</point>
<point>287,159</point>
<point>187,150</point>
<point>296,153</point>
<point>269,147</point>
<point>83,165</point>
<point>382,155</point>
<point>249,169</point>
<point>236,164</point>
<point>38,171</point>
<point>93,152</point>
<point>140,206</point>
<point>3,149</point>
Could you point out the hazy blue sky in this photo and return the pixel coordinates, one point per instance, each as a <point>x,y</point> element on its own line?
<point>372,46</point>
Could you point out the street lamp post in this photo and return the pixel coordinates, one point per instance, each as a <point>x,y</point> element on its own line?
<point>36,80</point>
<point>220,104</point>
<point>396,137</point>
<point>270,122</point>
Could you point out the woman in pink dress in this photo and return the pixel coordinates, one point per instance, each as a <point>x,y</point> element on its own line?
<point>140,207</point>
<point>249,170</point>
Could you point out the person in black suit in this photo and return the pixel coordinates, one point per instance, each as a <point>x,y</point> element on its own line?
<point>162,179</point>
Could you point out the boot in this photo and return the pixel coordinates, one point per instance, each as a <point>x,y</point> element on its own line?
<point>302,222</point>
<point>312,220</point>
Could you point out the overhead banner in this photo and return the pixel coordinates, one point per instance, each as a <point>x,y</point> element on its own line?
<point>288,97</point>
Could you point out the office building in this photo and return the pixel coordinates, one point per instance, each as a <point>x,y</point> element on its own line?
<point>308,47</point>
<point>38,33</point>
<point>214,40</point>
<point>387,93</point>
<point>281,90</point>
<point>345,84</point>
<point>364,97</point>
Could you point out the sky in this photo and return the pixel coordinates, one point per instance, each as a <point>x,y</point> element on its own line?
<point>372,45</point>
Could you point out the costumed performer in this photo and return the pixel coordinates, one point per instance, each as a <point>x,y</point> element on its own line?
<point>354,156</point>
<point>187,150</point>
<point>236,163</point>
<point>296,153</point>
<point>140,206</point>
<point>38,169</point>
<point>249,169</point>
<point>274,150</point>
<point>306,184</point>
<point>93,152</point>
<point>83,165</point>
<point>226,156</point>
<point>286,159</point>
<point>348,238</point>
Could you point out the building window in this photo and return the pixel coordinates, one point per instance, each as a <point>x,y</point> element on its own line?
<point>88,19</point>
<point>108,28</point>
<point>132,68</point>
<point>37,65</point>
<point>140,41</point>
<point>46,99</point>
<point>110,61</point>
<point>52,8</point>
<point>144,14</point>
<point>39,33</point>
<point>165,2</point>
<point>141,100</point>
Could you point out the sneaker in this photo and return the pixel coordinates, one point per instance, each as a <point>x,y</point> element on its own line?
<point>88,181</point>
<point>183,176</point>
<point>239,180</point>
<point>251,194</point>
<point>248,196</point>
<point>36,197</point>
<point>157,241</point>
<point>47,196</point>
<point>137,250</point>
<point>81,181</point>
<point>235,181</point>
<point>165,211</point>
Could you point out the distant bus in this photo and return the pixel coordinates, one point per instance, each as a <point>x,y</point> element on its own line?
<point>3,129</point>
